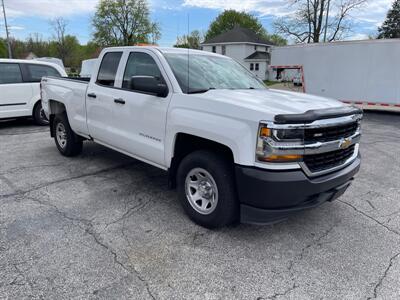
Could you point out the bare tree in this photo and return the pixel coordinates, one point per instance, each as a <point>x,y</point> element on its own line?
<point>312,18</point>
<point>59,26</point>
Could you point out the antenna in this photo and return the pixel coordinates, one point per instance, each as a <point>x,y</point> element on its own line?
<point>187,41</point>
<point>7,33</point>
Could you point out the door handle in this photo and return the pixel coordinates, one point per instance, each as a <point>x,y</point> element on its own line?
<point>119,101</point>
<point>91,95</point>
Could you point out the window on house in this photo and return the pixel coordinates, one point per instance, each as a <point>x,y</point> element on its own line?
<point>257,67</point>
<point>214,49</point>
<point>223,50</point>
<point>251,67</point>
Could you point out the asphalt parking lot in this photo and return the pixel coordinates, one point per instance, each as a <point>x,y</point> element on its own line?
<point>103,225</point>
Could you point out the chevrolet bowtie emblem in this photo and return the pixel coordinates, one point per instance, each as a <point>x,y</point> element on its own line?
<point>345,143</point>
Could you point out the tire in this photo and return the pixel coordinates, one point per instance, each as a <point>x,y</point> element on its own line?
<point>67,142</point>
<point>38,115</point>
<point>223,207</point>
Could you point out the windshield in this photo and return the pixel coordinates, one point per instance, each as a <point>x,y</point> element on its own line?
<point>210,72</point>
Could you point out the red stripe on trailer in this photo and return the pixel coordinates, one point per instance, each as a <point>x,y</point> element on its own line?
<point>370,103</point>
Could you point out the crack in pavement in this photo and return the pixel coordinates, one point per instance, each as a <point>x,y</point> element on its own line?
<point>88,228</point>
<point>382,278</point>
<point>20,168</point>
<point>276,295</point>
<point>40,186</point>
<point>369,217</point>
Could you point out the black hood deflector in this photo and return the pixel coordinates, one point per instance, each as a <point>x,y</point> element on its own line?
<point>319,114</point>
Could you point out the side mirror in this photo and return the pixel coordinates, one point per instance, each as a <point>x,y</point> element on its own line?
<point>149,85</point>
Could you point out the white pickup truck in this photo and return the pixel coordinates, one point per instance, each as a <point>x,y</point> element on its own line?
<point>236,150</point>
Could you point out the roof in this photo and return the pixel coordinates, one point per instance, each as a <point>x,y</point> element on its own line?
<point>238,35</point>
<point>259,55</point>
<point>33,61</point>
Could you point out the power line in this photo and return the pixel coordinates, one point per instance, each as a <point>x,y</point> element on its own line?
<point>7,33</point>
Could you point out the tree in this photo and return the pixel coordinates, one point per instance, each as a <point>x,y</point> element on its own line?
<point>37,45</point>
<point>312,18</point>
<point>124,22</point>
<point>228,19</point>
<point>3,49</point>
<point>192,41</point>
<point>59,27</point>
<point>277,39</point>
<point>390,28</point>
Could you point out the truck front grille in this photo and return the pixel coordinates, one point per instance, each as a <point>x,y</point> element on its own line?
<point>328,160</point>
<point>331,133</point>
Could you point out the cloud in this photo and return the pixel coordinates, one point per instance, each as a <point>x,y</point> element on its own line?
<point>262,7</point>
<point>49,8</point>
<point>374,11</point>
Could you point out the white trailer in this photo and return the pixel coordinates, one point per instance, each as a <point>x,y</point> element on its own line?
<point>361,72</point>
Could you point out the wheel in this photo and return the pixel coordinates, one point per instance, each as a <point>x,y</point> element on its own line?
<point>206,189</point>
<point>68,143</point>
<point>39,116</point>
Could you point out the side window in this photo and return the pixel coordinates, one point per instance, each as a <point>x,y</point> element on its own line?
<point>140,64</point>
<point>108,68</point>
<point>36,72</point>
<point>10,73</point>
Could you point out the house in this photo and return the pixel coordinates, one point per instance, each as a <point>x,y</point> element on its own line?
<point>30,55</point>
<point>245,46</point>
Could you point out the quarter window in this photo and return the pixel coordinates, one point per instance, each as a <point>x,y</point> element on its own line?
<point>108,68</point>
<point>10,73</point>
<point>140,64</point>
<point>36,72</point>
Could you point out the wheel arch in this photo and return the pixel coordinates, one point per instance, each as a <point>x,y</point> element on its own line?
<point>185,144</point>
<point>55,107</point>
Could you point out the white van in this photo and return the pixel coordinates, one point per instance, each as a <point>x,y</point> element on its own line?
<point>20,87</point>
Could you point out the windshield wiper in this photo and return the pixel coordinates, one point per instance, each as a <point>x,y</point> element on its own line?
<point>199,91</point>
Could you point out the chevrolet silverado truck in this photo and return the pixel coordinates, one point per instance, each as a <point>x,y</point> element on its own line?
<point>234,149</point>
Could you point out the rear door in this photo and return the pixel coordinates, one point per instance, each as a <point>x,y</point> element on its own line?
<point>139,118</point>
<point>100,98</point>
<point>15,94</point>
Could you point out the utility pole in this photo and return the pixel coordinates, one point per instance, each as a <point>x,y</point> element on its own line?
<point>7,33</point>
<point>326,21</point>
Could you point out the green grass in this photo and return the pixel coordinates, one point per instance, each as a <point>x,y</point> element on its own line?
<point>269,83</point>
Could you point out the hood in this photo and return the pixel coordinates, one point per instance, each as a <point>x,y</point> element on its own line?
<point>271,101</point>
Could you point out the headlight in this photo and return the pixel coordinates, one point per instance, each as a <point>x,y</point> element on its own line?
<point>291,135</point>
<point>269,138</point>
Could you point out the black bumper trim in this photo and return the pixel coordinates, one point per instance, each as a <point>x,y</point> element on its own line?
<point>269,196</point>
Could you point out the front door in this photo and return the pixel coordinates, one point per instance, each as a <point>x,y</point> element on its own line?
<point>139,118</point>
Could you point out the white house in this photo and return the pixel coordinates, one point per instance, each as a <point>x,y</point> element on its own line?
<point>245,46</point>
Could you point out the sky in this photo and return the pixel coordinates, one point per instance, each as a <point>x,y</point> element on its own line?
<point>26,17</point>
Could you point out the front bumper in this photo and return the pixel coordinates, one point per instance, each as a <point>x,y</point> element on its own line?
<point>269,196</point>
